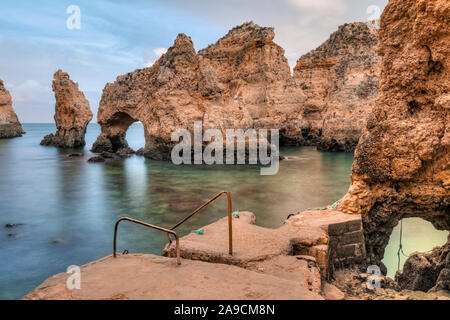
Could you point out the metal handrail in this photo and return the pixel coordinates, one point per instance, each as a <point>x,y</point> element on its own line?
<point>230,220</point>
<point>149,226</point>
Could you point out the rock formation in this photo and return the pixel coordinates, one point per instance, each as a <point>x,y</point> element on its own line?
<point>10,126</point>
<point>340,80</point>
<point>244,81</point>
<point>426,271</point>
<point>72,114</point>
<point>402,166</point>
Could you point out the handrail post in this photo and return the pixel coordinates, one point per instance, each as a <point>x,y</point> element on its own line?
<point>230,218</point>
<point>230,226</point>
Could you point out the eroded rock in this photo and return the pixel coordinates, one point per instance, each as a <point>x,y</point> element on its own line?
<point>401,166</point>
<point>340,80</point>
<point>10,126</point>
<point>243,81</point>
<point>72,114</point>
<point>426,271</point>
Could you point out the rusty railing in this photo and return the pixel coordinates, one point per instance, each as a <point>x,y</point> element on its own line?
<point>169,232</point>
<point>230,220</point>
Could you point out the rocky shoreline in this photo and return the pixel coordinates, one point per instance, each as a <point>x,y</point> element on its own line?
<point>396,111</point>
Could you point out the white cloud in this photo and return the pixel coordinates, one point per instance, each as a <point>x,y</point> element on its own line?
<point>28,91</point>
<point>157,53</point>
<point>337,6</point>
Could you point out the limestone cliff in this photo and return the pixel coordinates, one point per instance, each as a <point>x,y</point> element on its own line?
<point>340,80</point>
<point>10,126</point>
<point>242,81</point>
<point>177,90</point>
<point>402,166</point>
<point>72,114</point>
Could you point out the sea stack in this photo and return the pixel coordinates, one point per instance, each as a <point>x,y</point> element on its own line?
<point>10,126</point>
<point>401,166</point>
<point>72,114</point>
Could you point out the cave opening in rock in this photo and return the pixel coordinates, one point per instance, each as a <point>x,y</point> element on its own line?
<point>415,235</point>
<point>122,126</point>
<point>135,135</point>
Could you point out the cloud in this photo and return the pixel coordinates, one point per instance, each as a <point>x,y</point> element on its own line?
<point>320,6</point>
<point>157,53</point>
<point>28,91</point>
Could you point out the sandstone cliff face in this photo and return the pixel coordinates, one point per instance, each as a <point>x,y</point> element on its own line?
<point>72,114</point>
<point>177,90</point>
<point>10,126</point>
<point>402,166</point>
<point>340,80</point>
<point>242,81</point>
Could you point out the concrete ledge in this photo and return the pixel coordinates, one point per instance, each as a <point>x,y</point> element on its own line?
<point>138,276</point>
<point>250,242</point>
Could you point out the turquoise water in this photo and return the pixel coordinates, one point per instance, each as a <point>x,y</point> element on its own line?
<point>68,206</point>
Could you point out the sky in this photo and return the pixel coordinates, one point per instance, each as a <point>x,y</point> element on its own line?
<point>96,41</point>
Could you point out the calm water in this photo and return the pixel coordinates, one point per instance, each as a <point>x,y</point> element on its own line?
<point>68,206</point>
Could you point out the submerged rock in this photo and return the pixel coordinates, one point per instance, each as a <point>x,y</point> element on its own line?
<point>401,166</point>
<point>96,159</point>
<point>13,235</point>
<point>13,225</point>
<point>72,114</point>
<point>10,126</point>
<point>74,155</point>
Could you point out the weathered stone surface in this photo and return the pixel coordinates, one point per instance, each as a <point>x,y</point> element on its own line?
<point>243,81</point>
<point>425,271</point>
<point>340,80</point>
<point>331,292</point>
<point>338,241</point>
<point>302,234</point>
<point>72,114</point>
<point>301,270</point>
<point>138,276</point>
<point>402,166</point>
<point>10,126</point>
<point>250,242</point>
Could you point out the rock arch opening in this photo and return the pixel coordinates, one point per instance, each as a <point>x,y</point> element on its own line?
<point>410,236</point>
<point>114,132</point>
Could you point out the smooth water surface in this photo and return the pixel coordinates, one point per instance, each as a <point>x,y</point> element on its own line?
<point>68,206</point>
